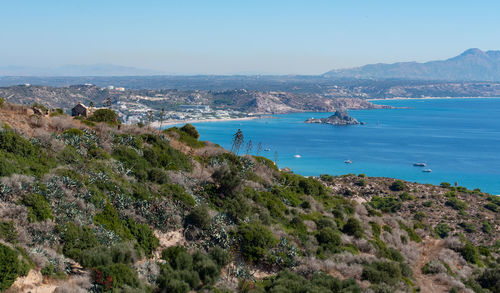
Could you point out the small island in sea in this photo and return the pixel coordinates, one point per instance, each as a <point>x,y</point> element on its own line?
<point>341,117</point>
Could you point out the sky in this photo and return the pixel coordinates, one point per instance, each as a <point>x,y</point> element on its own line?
<point>240,36</point>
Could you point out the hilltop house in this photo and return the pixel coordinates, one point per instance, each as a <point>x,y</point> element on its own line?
<point>82,110</point>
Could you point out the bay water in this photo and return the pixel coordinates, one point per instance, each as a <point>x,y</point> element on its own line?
<point>458,139</point>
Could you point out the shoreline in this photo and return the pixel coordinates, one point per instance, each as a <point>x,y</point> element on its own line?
<point>429,98</point>
<point>156,124</point>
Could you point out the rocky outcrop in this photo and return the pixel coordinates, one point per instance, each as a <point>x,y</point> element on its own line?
<point>341,117</point>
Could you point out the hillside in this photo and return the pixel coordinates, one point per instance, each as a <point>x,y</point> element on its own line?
<point>93,205</point>
<point>471,65</point>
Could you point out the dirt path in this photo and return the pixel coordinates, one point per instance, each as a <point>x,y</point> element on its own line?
<point>430,250</point>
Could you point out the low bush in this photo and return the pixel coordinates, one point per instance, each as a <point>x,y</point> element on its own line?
<point>184,271</point>
<point>470,253</point>
<point>114,277</point>
<point>442,230</point>
<point>190,130</point>
<point>382,272</point>
<point>177,193</point>
<point>456,204</point>
<point>397,185</point>
<point>490,279</point>
<point>353,227</point>
<point>77,239</point>
<point>388,204</point>
<point>286,281</point>
<point>329,239</point>
<point>11,267</point>
<point>8,231</point>
<point>199,217</point>
<point>468,227</point>
<point>105,115</point>
<point>38,207</point>
<point>255,241</point>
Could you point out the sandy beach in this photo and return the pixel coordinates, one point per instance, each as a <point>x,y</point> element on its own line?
<point>173,122</point>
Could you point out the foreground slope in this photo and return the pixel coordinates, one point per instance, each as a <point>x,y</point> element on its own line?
<point>89,205</point>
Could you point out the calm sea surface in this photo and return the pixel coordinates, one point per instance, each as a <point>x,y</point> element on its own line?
<point>459,139</point>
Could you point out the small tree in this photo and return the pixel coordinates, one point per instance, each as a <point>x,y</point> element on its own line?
<point>238,141</point>
<point>162,116</point>
<point>150,117</point>
<point>249,147</point>
<point>259,148</point>
<point>107,103</point>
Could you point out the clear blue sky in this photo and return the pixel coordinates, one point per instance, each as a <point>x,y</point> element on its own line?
<point>239,36</point>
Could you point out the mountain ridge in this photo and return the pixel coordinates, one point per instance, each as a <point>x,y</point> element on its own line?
<point>471,65</point>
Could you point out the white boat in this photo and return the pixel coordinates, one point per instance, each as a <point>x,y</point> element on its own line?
<point>348,161</point>
<point>266,150</point>
<point>420,164</point>
<point>296,156</point>
<point>427,170</point>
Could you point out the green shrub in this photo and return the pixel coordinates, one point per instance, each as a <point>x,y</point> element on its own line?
<point>427,203</point>
<point>376,230</point>
<point>419,216</point>
<point>115,276</point>
<point>255,241</point>
<point>386,204</point>
<point>199,217</point>
<point>468,227</point>
<point>8,231</point>
<point>142,233</point>
<point>157,175</point>
<point>442,230</point>
<point>286,281</point>
<point>432,267</point>
<point>69,155</point>
<point>220,256</point>
<point>445,185</point>
<point>382,272</point>
<point>353,227</point>
<point>405,196</point>
<point>456,204</point>
<point>109,218</point>
<point>411,232</point>
<point>490,279</point>
<point>470,253</point>
<point>2,101</point>
<point>10,267</point>
<point>487,228</point>
<point>38,207</point>
<point>76,239</point>
<point>492,207</point>
<point>329,239</point>
<point>397,185</point>
<point>51,271</point>
<point>104,256</point>
<point>74,131</point>
<point>177,193</point>
<point>183,268</point>
<point>105,115</point>
<point>191,130</point>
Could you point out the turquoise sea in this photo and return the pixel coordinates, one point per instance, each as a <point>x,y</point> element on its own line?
<point>459,139</point>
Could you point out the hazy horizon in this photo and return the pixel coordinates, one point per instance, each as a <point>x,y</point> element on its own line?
<point>227,37</point>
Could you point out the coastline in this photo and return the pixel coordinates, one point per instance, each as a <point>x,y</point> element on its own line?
<point>430,98</point>
<point>173,122</point>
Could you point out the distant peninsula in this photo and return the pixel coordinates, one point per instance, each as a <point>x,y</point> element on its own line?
<point>341,118</point>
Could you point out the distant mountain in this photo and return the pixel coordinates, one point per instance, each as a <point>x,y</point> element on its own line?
<point>471,65</point>
<point>77,70</point>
